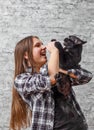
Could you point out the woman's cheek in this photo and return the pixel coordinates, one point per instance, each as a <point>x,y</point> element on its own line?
<point>36,54</point>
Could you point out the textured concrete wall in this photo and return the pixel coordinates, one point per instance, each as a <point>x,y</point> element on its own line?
<point>47,19</point>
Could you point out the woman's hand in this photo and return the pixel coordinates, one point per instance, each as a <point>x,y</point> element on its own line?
<point>66,73</point>
<point>51,47</point>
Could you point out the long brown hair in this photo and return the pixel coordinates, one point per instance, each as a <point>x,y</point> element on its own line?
<point>20,114</point>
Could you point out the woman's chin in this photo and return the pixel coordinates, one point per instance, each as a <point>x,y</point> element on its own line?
<point>43,62</point>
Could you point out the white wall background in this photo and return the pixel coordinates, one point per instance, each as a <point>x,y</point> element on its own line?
<point>47,19</point>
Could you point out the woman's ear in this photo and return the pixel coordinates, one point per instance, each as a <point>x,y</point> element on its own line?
<point>26,62</point>
<point>26,55</point>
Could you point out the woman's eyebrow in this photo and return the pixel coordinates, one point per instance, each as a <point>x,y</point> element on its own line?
<point>38,43</point>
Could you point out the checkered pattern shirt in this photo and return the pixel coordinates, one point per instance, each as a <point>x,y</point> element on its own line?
<point>36,91</point>
<point>83,76</point>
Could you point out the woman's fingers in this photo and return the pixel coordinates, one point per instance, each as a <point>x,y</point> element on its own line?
<point>51,46</point>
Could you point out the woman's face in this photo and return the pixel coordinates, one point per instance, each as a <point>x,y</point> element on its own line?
<point>39,53</point>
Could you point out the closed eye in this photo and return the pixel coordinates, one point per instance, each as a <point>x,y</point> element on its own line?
<point>38,44</point>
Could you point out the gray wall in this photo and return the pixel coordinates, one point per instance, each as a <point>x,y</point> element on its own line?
<point>46,19</point>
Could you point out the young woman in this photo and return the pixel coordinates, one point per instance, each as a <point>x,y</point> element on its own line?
<point>34,99</point>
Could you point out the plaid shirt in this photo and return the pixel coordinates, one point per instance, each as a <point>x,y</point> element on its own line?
<point>83,76</point>
<point>36,91</point>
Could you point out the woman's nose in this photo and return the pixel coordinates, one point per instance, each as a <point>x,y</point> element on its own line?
<point>43,47</point>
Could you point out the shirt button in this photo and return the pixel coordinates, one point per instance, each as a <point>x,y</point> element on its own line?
<point>50,123</point>
<point>49,127</point>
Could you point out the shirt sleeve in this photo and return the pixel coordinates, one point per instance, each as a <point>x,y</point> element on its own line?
<point>83,76</point>
<point>27,83</point>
